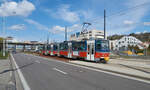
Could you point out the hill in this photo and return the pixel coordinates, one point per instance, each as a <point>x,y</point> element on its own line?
<point>144,37</point>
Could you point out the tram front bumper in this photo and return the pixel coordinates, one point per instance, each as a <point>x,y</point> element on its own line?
<point>106,59</point>
<point>102,58</point>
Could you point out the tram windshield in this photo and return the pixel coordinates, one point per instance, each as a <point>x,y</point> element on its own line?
<point>102,45</point>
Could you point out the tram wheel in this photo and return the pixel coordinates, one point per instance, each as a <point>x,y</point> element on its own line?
<point>103,61</point>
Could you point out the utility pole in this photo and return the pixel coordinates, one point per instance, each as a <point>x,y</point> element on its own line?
<point>65,33</point>
<point>47,39</point>
<point>104,24</point>
<point>3,22</point>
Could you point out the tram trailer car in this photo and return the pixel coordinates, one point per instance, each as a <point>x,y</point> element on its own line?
<point>54,51</point>
<point>65,49</point>
<point>45,50</point>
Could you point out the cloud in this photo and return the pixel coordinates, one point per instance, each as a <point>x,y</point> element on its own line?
<point>145,31</point>
<point>57,29</point>
<point>75,27</point>
<point>54,29</point>
<point>122,22</point>
<point>64,13</point>
<point>127,22</point>
<point>130,19</point>
<point>60,29</point>
<point>38,25</point>
<point>138,33</point>
<point>23,8</point>
<point>147,23</point>
<point>17,27</point>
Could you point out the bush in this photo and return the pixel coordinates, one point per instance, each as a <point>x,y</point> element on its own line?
<point>3,57</point>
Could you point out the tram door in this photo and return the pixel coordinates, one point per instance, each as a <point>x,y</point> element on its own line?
<point>58,49</point>
<point>46,49</point>
<point>69,50</point>
<point>52,49</point>
<point>90,50</point>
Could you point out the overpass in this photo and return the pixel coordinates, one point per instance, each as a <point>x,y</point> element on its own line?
<point>21,46</point>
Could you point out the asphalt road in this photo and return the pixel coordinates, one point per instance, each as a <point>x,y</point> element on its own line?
<point>42,74</point>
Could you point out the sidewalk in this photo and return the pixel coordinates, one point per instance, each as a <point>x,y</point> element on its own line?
<point>116,68</point>
<point>131,62</point>
<point>6,75</point>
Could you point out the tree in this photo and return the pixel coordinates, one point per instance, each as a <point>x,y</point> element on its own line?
<point>1,44</point>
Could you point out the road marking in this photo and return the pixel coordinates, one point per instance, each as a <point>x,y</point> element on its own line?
<point>110,73</point>
<point>23,80</point>
<point>37,61</point>
<point>59,70</point>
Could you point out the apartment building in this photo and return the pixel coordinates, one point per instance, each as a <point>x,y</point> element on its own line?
<point>92,34</point>
<point>124,42</point>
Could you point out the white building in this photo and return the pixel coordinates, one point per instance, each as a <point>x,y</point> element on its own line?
<point>92,34</point>
<point>124,42</point>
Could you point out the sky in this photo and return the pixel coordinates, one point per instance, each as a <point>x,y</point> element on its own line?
<point>35,20</point>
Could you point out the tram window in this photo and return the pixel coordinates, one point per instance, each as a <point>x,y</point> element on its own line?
<point>92,49</point>
<point>98,46</point>
<point>48,47</point>
<point>75,46</point>
<point>88,49</point>
<point>61,47</point>
<point>105,46</point>
<point>55,47</point>
<point>65,46</point>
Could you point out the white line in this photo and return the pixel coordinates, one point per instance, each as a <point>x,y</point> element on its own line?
<point>23,80</point>
<point>37,61</point>
<point>59,70</point>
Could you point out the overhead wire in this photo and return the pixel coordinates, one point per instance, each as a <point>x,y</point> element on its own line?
<point>122,12</point>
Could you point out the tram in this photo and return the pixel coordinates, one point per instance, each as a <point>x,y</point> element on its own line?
<point>91,50</point>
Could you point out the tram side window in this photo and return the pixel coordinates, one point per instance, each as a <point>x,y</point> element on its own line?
<point>75,47</point>
<point>55,47</point>
<point>82,46</point>
<point>61,47</point>
<point>44,47</point>
<point>65,46</point>
<point>48,47</point>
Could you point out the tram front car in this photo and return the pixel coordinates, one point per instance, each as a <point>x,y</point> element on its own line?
<point>102,50</point>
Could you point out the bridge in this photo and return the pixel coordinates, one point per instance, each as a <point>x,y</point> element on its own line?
<point>22,46</point>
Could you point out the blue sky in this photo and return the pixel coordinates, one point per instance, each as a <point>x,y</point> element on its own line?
<point>36,19</point>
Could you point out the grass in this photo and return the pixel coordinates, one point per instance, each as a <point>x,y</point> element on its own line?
<point>3,57</point>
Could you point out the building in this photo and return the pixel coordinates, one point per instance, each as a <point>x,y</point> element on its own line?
<point>124,42</point>
<point>92,34</point>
